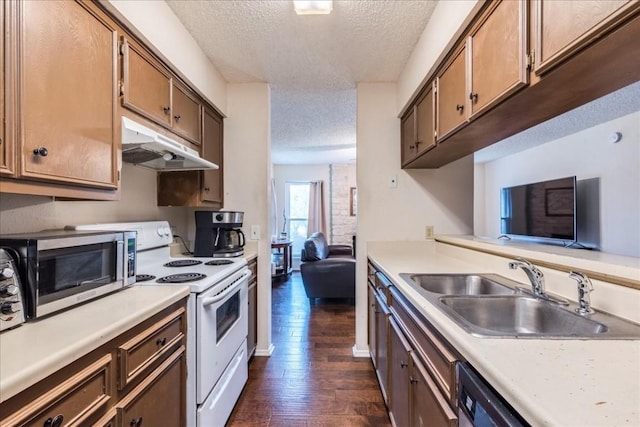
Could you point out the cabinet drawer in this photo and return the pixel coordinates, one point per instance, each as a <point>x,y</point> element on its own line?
<point>150,347</point>
<point>73,401</point>
<point>437,356</point>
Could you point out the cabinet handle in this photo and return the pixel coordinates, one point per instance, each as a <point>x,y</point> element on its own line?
<point>136,422</point>
<point>166,110</point>
<point>161,341</point>
<point>206,189</point>
<point>403,364</point>
<point>55,421</point>
<point>460,107</point>
<point>177,117</point>
<point>411,147</point>
<point>473,97</point>
<point>41,151</point>
<point>413,380</point>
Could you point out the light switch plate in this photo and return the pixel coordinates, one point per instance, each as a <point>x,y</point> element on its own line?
<point>255,232</point>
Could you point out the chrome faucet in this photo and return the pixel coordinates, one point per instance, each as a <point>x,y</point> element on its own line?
<point>533,273</point>
<point>585,287</point>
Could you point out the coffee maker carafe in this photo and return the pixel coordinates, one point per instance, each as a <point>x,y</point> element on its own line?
<point>218,234</point>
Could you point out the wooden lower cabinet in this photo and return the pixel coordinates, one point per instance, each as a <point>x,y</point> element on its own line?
<point>399,357</point>
<point>89,392</point>
<point>159,400</point>
<point>382,334</point>
<point>371,331</point>
<point>428,406</point>
<point>252,335</point>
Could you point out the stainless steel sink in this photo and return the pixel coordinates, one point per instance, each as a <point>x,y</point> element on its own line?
<point>461,284</point>
<point>489,305</point>
<point>527,317</point>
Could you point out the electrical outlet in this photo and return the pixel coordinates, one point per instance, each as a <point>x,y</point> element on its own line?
<point>255,232</point>
<point>393,181</point>
<point>428,231</point>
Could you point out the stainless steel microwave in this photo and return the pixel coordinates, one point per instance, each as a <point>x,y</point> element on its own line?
<point>62,268</point>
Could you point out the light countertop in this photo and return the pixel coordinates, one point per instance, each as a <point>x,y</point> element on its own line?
<point>549,382</point>
<point>35,350</point>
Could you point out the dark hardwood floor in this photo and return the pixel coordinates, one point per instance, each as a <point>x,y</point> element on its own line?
<point>312,378</point>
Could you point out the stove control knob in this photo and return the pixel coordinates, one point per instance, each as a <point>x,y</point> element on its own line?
<point>160,231</point>
<point>8,291</point>
<point>6,273</point>
<point>10,307</point>
<point>167,231</point>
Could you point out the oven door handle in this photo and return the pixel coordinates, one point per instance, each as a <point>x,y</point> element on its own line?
<point>222,295</point>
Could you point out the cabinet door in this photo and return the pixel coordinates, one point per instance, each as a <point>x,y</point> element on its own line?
<point>382,333</point>
<point>408,135</point>
<point>212,190</point>
<point>428,406</point>
<point>252,335</point>
<point>68,93</point>
<point>146,84</point>
<point>372,325</point>
<point>563,27</point>
<point>452,96</point>
<point>425,121</point>
<point>399,353</point>
<point>185,113</point>
<point>159,400</point>
<point>5,168</point>
<point>498,72</point>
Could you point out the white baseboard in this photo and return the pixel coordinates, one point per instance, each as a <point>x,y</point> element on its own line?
<point>360,353</point>
<point>265,353</point>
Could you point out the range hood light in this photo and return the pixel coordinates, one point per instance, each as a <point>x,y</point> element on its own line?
<point>313,7</point>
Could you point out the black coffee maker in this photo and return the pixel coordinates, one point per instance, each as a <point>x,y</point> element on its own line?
<point>218,234</point>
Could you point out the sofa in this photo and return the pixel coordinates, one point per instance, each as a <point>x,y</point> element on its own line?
<point>328,271</point>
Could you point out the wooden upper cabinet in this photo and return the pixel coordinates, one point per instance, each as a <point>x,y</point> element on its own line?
<point>67,94</point>
<point>185,113</point>
<point>425,121</point>
<point>497,52</point>
<point>452,95</point>
<point>4,167</point>
<point>146,84</point>
<point>408,135</point>
<point>563,27</point>
<point>212,190</point>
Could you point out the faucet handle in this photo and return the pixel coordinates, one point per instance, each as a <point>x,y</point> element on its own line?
<point>585,287</point>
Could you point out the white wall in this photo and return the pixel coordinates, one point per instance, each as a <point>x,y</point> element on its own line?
<point>343,224</point>
<point>247,178</point>
<point>441,197</point>
<point>446,20</point>
<point>285,173</point>
<point>23,213</point>
<point>586,154</point>
<point>157,23</point>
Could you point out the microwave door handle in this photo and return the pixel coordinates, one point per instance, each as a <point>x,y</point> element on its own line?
<point>120,260</point>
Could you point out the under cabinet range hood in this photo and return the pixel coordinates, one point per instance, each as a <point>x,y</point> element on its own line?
<point>145,147</point>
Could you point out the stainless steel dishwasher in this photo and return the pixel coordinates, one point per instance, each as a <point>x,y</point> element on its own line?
<point>479,405</point>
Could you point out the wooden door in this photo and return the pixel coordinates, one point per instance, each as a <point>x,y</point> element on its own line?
<point>212,190</point>
<point>497,50</point>
<point>563,27</point>
<point>408,136</point>
<point>399,354</point>
<point>452,96</point>
<point>425,121</point>
<point>159,400</point>
<point>146,84</point>
<point>185,113</point>
<point>68,93</point>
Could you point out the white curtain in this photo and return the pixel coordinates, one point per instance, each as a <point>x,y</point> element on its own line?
<point>317,219</point>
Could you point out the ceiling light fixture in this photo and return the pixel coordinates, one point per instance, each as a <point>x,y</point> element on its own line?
<point>313,7</point>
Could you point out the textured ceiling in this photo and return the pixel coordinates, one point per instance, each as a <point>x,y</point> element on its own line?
<point>312,63</point>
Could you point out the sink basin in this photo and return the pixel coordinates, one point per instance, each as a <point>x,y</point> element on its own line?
<point>517,316</point>
<point>461,284</point>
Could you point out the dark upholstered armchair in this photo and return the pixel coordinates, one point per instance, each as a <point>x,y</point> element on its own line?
<point>328,271</point>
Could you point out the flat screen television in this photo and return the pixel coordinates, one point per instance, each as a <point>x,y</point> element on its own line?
<point>541,211</point>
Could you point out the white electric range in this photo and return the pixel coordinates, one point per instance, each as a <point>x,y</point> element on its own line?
<point>216,317</point>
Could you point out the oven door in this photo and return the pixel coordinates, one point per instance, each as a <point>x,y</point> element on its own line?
<point>221,328</point>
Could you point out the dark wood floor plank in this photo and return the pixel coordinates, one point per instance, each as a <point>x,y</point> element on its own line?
<point>312,378</point>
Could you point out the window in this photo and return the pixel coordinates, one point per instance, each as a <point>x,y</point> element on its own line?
<point>297,212</point>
